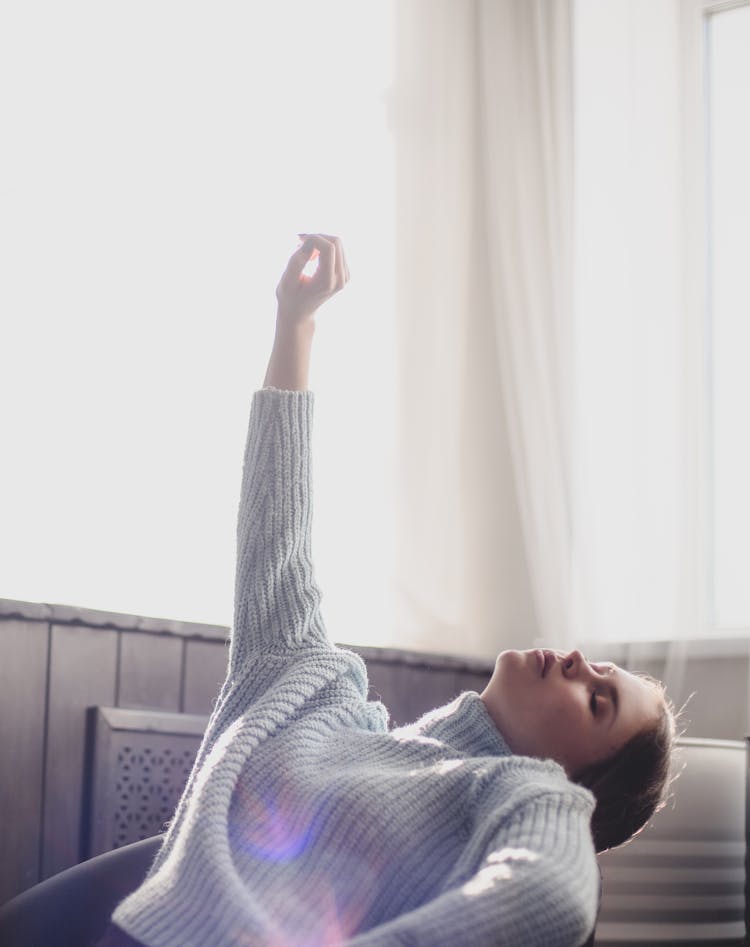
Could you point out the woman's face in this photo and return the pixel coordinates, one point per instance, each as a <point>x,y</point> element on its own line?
<point>559,706</point>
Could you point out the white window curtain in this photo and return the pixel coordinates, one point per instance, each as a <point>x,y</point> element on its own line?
<point>551,334</point>
<point>640,461</point>
<point>483,123</point>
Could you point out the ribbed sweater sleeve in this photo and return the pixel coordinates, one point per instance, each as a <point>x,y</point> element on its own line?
<point>536,888</point>
<point>276,596</point>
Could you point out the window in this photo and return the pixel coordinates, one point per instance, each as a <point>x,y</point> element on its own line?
<point>158,161</point>
<point>727,122</point>
<point>662,199</point>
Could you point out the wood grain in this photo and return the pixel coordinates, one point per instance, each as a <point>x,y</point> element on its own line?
<point>205,670</point>
<point>150,671</point>
<point>23,693</point>
<point>83,667</point>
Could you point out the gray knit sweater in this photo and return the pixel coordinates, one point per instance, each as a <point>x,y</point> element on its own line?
<point>306,822</point>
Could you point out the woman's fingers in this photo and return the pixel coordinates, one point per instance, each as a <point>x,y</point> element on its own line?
<point>300,295</point>
<point>341,256</point>
<point>324,279</point>
<point>302,255</point>
<point>341,276</point>
<point>341,268</point>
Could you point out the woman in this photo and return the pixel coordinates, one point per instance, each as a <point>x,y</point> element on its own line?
<point>305,821</point>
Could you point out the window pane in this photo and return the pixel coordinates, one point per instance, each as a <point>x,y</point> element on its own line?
<point>728,105</point>
<point>157,162</point>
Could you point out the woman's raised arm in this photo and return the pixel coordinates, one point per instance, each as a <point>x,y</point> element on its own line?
<point>277,600</point>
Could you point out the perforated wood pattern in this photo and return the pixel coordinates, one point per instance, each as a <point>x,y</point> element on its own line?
<point>140,764</point>
<point>149,775</point>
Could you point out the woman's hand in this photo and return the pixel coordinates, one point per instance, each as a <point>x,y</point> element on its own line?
<point>299,296</point>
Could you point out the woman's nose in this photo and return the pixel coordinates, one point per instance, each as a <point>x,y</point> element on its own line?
<point>575,662</point>
<point>572,663</point>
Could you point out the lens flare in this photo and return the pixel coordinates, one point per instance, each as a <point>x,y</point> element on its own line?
<point>270,829</point>
<point>333,893</point>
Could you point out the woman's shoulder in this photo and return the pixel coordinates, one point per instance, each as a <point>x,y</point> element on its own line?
<point>524,787</point>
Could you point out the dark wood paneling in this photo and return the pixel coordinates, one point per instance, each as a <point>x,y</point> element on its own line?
<point>205,670</point>
<point>422,659</point>
<point>409,691</point>
<point>82,674</point>
<point>718,707</point>
<point>716,688</point>
<point>150,669</point>
<point>94,618</point>
<point>473,682</point>
<point>23,691</point>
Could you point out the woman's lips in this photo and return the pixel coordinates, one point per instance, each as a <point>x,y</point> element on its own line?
<point>546,659</point>
<point>542,661</point>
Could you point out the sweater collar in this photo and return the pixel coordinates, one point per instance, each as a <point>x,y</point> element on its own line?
<point>465,724</point>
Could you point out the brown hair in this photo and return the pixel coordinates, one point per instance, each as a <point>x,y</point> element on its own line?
<point>631,786</point>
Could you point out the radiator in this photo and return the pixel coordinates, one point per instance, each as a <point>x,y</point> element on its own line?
<point>682,880</point>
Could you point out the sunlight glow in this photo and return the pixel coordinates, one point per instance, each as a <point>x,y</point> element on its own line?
<point>147,220</point>
<point>498,869</point>
<point>311,267</point>
<point>448,766</point>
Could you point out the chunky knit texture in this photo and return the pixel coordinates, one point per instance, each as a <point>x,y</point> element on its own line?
<point>306,822</point>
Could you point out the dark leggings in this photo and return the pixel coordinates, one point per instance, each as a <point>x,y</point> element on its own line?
<point>115,937</point>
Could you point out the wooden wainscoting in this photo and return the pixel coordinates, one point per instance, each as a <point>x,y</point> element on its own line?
<point>57,661</point>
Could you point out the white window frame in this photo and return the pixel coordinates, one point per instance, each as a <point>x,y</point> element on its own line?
<point>694,19</point>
